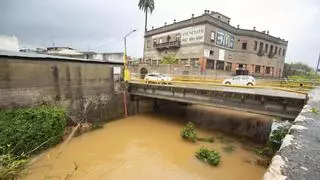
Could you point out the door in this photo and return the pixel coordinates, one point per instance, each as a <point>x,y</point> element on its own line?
<point>236,80</point>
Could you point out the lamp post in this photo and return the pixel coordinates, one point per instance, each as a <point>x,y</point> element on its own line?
<point>126,71</point>
<point>125,61</point>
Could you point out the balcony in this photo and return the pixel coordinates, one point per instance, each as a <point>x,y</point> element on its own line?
<point>271,55</point>
<point>260,52</point>
<point>167,45</point>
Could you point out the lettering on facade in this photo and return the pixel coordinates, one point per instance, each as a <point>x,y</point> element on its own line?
<point>225,39</point>
<point>192,35</point>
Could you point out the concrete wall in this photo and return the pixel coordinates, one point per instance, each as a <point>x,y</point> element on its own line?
<point>299,156</point>
<point>73,85</point>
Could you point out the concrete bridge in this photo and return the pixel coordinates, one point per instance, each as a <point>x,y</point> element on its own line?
<point>272,102</point>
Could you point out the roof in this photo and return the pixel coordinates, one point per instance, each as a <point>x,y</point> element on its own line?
<point>35,56</point>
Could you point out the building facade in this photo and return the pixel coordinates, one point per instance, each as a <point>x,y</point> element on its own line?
<point>209,43</point>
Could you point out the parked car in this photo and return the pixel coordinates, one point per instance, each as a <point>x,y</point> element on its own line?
<point>243,80</point>
<point>157,78</point>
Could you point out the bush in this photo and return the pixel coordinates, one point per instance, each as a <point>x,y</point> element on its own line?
<point>208,156</point>
<point>276,138</point>
<point>23,130</point>
<point>188,132</point>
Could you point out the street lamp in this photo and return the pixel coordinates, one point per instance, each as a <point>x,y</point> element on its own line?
<point>125,61</point>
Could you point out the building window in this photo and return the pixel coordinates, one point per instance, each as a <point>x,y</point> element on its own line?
<point>220,65</point>
<point>213,35</point>
<point>266,48</point>
<point>268,70</point>
<point>284,52</point>
<point>255,45</point>
<point>184,61</point>
<point>271,49</point>
<point>261,46</point>
<point>211,53</point>
<point>210,64</point>
<point>257,69</point>
<point>279,51</point>
<point>244,45</point>
<point>194,62</point>
<point>160,41</point>
<point>276,50</point>
<point>228,66</point>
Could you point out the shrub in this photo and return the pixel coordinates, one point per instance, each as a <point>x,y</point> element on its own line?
<point>188,132</point>
<point>23,130</point>
<point>276,138</point>
<point>208,156</point>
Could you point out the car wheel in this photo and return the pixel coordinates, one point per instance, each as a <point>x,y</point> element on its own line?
<point>227,83</point>
<point>249,84</point>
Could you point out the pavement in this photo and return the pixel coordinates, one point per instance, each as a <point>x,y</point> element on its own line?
<point>248,90</point>
<point>299,155</point>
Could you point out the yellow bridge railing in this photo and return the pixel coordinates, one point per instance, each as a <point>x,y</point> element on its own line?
<point>291,85</point>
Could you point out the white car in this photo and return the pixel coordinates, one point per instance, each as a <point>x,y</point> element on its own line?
<point>243,80</point>
<point>157,78</point>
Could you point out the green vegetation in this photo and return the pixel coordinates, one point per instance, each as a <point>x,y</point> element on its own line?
<point>27,131</point>
<point>169,59</point>
<point>228,149</point>
<point>208,156</point>
<point>146,6</point>
<point>299,70</point>
<point>274,142</point>
<point>276,138</point>
<point>314,110</point>
<point>188,133</point>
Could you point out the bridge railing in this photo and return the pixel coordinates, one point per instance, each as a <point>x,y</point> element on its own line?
<point>289,84</point>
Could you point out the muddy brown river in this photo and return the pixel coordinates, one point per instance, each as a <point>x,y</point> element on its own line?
<point>142,147</point>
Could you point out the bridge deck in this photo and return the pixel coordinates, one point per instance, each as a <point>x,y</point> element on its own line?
<point>246,90</point>
<point>262,101</point>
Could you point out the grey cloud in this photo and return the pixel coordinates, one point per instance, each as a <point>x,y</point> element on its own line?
<point>101,24</point>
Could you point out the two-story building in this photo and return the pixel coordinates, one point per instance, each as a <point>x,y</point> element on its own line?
<point>209,43</point>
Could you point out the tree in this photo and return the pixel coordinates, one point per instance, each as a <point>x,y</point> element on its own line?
<point>169,59</point>
<point>297,69</point>
<point>146,6</point>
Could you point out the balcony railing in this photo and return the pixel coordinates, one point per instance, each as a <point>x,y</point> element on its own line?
<point>167,45</point>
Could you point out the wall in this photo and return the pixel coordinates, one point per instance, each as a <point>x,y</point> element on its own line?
<point>299,157</point>
<point>71,84</point>
<point>9,43</point>
<point>235,55</point>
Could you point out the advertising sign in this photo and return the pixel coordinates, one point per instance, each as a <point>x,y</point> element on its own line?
<point>225,39</point>
<point>192,35</point>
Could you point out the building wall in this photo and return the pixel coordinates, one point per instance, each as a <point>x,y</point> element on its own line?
<point>73,85</point>
<point>9,43</point>
<point>211,53</point>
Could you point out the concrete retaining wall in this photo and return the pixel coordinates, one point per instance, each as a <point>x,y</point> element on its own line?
<point>299,154</point>
<point>78,86</point>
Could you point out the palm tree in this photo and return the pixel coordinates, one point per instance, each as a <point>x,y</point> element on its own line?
<point>146,6</point>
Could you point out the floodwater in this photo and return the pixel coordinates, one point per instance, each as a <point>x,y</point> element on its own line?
<point>146,146</point>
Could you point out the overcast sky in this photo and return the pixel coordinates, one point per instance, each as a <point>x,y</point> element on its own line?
<point>99,25</point>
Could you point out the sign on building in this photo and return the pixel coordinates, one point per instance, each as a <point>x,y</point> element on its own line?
<point>225,39</point>
<point>192,35</point>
